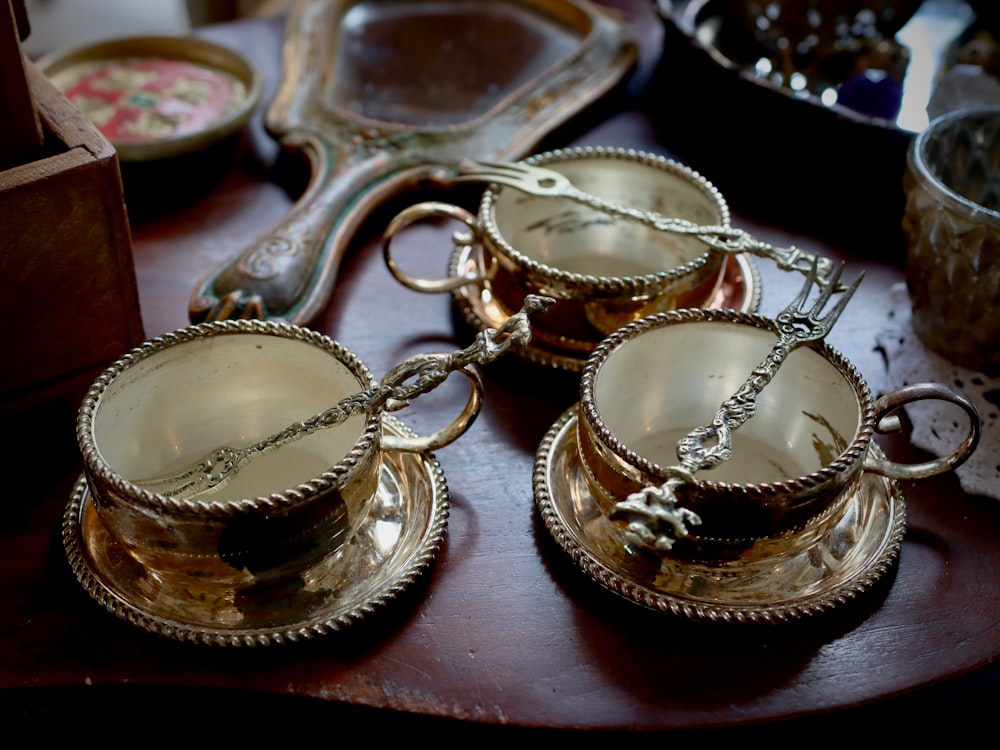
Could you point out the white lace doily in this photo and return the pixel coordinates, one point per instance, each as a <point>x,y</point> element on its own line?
<point>938,426</point>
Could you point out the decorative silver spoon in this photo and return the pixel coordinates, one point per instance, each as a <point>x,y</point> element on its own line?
<point>652,517</point>
<point>407,380</point>
<point>545,182</point>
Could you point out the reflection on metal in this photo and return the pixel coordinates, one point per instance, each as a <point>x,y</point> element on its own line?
<point>740,290</point>
<point>396,543</point>
<point>373,92</point>
<point>410,378</point>
<point>652,511</point>
<point>779,580</point>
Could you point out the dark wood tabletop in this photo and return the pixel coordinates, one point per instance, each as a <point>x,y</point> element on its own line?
<point>503,632</point>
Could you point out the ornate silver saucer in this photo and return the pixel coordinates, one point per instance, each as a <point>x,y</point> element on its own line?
<point>740,290</point>
<point>762,585</point>
<point>398,540</point>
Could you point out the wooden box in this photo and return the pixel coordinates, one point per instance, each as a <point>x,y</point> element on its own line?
<point>69,304</point>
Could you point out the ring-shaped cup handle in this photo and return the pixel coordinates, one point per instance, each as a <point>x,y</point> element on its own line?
<point>886,422</point>
<point>437,210</point>
<point>450,432</point>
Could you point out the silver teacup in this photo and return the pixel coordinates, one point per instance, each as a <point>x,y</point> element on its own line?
<point>795,465</point>
<point>177,397</point>
<point>603,270</point>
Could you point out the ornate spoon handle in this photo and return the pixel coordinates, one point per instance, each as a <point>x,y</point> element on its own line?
<point>542,181</point>
<point>407,380</point>
<point>709,445</point>
<point>652,515</point>
<point>723,238</point>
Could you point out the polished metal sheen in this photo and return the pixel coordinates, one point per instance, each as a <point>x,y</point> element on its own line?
<point>404,382</point>
<point>654,519</point>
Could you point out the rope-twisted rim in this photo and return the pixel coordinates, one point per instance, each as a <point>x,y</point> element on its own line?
<point>607,285</point>
<point>431,539</point>
<point>851,456</point>
<point>644,593</point>
<point>188,507</point>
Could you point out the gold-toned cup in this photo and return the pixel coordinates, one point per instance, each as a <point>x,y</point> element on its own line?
<point>173,399</point>
<point>795,464</point>
<point>604,271</point>
<point>952,230</point>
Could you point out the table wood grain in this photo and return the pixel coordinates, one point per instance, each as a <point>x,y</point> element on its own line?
<point>503,631</point>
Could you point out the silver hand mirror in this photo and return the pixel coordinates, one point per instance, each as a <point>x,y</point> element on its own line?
<point>376,92</point>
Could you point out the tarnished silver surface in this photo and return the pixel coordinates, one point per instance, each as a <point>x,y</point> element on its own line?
<point>396,543</point>
<point>353,101</point>
<point>652,515</point>
<point>773,581</point>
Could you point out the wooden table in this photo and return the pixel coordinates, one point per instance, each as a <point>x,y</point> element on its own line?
<point>503,632</point>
